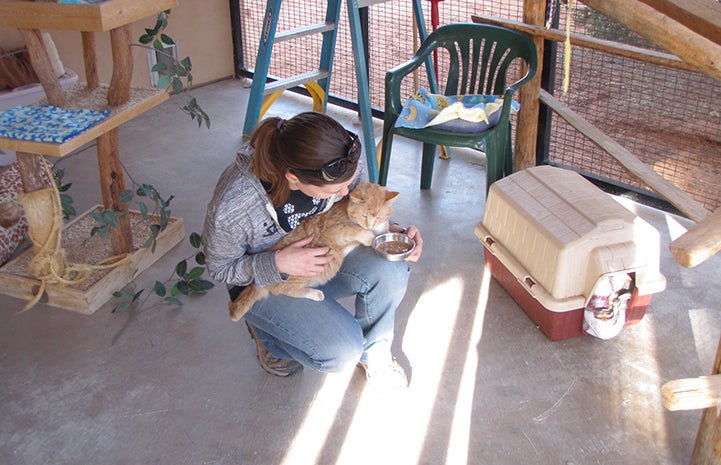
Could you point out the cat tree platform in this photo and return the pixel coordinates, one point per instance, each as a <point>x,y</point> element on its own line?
<point>80,247</point>
<point>114,17</point>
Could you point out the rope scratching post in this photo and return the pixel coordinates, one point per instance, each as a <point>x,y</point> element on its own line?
<point>45,222</point>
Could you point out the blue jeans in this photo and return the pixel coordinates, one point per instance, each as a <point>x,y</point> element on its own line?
<point>324,335</point>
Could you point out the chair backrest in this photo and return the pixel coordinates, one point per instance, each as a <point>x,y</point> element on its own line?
<point>478,57</point>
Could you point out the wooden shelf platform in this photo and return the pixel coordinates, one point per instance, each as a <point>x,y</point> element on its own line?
<point>92,294</point>
<point>100,17</point>
<point>81,97</point>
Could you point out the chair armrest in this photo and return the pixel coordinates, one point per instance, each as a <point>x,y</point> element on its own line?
<point>394,78</point>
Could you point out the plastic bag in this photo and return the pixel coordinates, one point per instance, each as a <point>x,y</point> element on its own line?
<point>605,312</point>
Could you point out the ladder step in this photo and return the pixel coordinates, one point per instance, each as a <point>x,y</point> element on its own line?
<point>304,31</point>
<point>293,81</point>
<point>365,3</point>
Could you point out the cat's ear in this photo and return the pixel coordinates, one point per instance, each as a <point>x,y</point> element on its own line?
<point>355,196</point>
<point>391,195</point>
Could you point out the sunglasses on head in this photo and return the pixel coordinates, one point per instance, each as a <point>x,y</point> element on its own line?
<point>337,168</point>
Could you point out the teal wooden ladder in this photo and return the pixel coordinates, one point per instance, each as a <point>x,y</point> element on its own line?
<point>317,82</point>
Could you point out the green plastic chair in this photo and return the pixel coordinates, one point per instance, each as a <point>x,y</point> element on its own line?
<point>479,57</point>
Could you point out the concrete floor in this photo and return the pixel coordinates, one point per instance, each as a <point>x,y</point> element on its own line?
<point>182,386</point>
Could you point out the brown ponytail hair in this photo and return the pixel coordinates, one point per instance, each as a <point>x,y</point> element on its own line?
<point>307,142</point>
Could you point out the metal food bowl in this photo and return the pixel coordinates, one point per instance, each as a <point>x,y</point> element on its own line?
<point>393,246</point>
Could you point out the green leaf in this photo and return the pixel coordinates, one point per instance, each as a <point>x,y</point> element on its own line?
<point>177,85</point>
<point>174,301</point>
<point>161,68</point>
<point>166,39</point>
<point>180,71</point>
<point>186,63</point>
<point>196,272</point>
<point>110,217</point>
<point>195,240</point>
<point>174,290</point>
<point>101,231</point>
<point>200,258</point>
<point>181,268</point>
<point>121,306</point>
<point>183,287</point>
<point>127,295</point>
<point>143,210</point>
<point>126,196</point>
<point>145,39</point>
<point>150,243</point>
<point>164,82</point>
<point>159,289</point>
<point>164,215</point>
<point>200,286</point>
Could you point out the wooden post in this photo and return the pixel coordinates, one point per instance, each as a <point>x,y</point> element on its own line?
<point>43,68</point>
<point>534,12</point>
<point>112,184</point>
<point>31,171</point>
<point>120,41</point>
<point>90,59</point>
<point>707,449</point>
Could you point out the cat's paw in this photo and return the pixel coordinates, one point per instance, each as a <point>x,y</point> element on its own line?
<point>236,313</point>
<point>367,239</point>
<point>315,294</point>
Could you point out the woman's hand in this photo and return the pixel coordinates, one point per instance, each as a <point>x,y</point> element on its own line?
<point>298,260</point>
<point>413,233</point>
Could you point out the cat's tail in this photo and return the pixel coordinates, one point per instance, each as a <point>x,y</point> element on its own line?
<point>245,300</point>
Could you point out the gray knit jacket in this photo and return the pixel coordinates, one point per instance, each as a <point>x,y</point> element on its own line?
<point>241,225</point>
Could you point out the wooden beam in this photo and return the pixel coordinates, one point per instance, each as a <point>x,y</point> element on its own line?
<point>701,16</point>
<point>692,393</point>
<point>99,17</point>
<point>633,165</point>
<point>606,46</point>
<point>665,32</point>
<point>698,243</point>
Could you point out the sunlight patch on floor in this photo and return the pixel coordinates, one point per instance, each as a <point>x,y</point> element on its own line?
<point>458,447</point>
<point>640,394</point>
<point>402,418</point>
<point>313,433</point>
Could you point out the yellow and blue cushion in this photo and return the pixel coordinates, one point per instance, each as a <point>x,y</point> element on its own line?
<point>47,123</point>
<point>453,113</point>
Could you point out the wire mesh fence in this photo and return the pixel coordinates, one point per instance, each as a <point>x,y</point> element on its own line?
<point>668,118</point>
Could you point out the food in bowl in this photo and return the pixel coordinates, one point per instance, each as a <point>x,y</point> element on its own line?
<point>393,246</point>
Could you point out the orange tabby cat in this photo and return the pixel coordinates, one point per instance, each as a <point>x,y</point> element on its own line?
<point>353,221</point>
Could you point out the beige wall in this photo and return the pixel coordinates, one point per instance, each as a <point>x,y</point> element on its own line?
<point>200,27</point>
